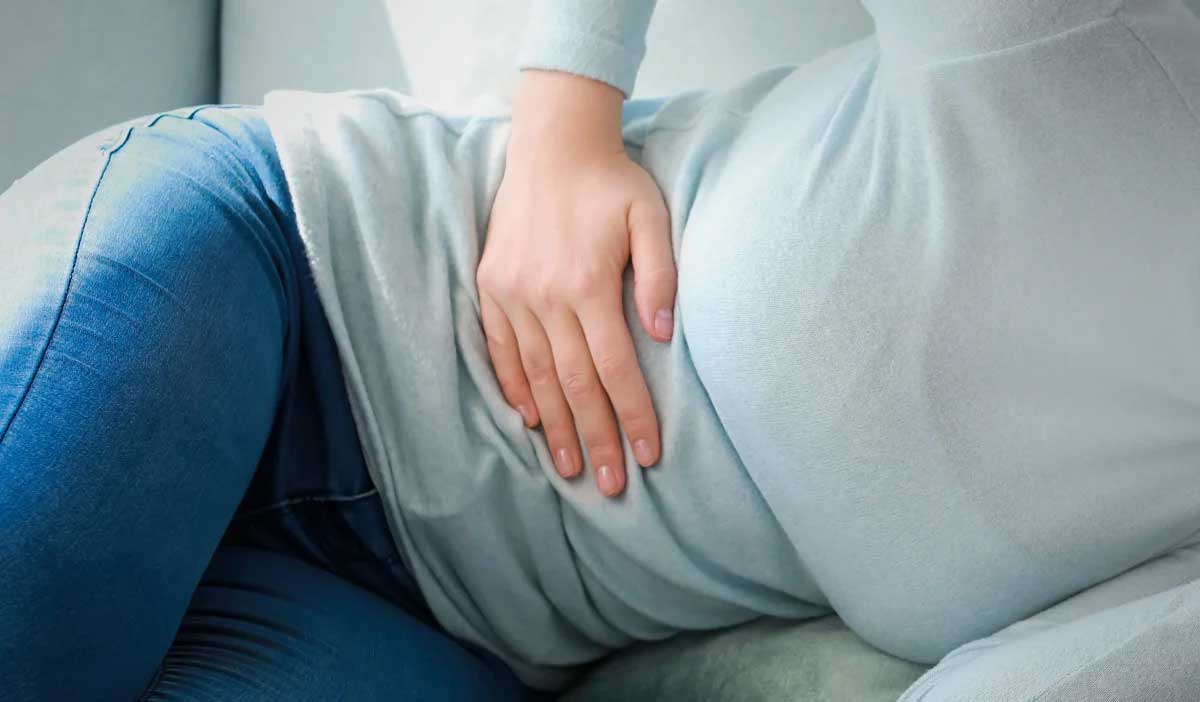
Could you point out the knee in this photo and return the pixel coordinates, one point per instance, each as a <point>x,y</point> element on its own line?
<point>183,198</point>
<point>184,207</point>
<point>168,232</point>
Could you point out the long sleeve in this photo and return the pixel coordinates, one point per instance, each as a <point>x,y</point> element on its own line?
<point>600,39</point>
<point>1119,640</point>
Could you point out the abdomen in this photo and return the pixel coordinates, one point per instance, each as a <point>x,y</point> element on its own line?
<point>948,316</point>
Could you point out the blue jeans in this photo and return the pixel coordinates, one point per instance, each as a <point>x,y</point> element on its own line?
<point>185,512</point>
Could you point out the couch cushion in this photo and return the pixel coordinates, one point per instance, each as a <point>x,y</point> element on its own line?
<point>818,660</point>
<point>71,68</point>
<point>306,45</point>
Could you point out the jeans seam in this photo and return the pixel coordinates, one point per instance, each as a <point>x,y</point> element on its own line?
<point>108,148</point>
<point>291,502</point>
<point>152,686</point>
<point>286,318</point>
<point>191,114</point>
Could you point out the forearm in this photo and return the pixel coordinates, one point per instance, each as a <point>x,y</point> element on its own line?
<point>571,112</point>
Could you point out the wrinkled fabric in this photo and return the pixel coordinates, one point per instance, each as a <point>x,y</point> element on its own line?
<point>934,359</point>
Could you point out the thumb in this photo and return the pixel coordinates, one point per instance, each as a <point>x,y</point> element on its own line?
<point>654,272</point>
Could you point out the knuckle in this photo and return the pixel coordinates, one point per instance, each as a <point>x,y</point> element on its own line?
<point>613,367</point>
<point>635,423</point>
<point>538,369</point>
<point>486,277</point>
<point>509,386</point>
<point>662,275</point>
<point>604,450</point>
<point>483,281</point>
<point>577,385</point>
<point>504,284</point>
<point>497,346</point>
<point>584,284</point>
<point>660,216</point>
<point>611,363</point>
<point>648,203</point>
<point>516,285</point>
<point>542,292</point>
<point>560,428</point>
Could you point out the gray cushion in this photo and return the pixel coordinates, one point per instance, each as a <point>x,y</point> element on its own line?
<point>71,67</point>
<point>818,660</point>
<point>306,45</point>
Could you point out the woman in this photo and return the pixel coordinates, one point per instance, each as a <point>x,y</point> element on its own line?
<point>931,367</point>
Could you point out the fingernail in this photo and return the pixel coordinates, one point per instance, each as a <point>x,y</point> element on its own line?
<point>641,449</point>
<point>663,323</point>
<point>566,467</point>
<point>607,479</point>
<point>526,414</point>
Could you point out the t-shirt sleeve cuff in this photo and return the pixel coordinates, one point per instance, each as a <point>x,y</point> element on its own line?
<point>571,51</point>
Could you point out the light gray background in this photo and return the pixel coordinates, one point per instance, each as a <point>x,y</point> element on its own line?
<point>451,53</point>
<point>70,67</point>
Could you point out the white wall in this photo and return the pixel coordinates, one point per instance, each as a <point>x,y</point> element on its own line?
<point>321,45</point>
<point>711,43</point>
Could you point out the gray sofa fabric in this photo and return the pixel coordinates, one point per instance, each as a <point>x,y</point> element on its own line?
<point>70,67</point>
<point>819,660</point>
<point>306,45</point>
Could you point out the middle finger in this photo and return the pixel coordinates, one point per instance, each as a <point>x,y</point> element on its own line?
<point>588,400</point>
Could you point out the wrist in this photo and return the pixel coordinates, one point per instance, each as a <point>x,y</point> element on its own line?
<point>565,110</point>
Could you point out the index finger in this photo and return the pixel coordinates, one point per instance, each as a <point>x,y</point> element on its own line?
<point>612,350</point>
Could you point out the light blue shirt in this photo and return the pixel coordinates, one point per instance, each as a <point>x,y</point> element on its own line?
<point>935,362</point>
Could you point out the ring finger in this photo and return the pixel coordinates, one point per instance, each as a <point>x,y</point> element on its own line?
<point>538,360</point>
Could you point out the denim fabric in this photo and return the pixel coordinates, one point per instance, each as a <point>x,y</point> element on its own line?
<point>185,512</point>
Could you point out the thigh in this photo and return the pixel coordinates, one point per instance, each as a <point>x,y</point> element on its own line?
<point>312,495</point>
<point>144,317</point>
<point>265,626</point>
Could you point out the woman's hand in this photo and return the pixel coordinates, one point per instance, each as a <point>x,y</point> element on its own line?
<point>571,211</point>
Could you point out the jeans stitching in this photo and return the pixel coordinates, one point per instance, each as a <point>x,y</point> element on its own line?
<point>191,114</point>
<point>108,148</point>
<point>152,687</point>
<point>291,502</point>
<point>284,315</point>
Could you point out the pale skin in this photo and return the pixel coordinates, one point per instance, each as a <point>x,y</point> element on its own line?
<point>571,213</point>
